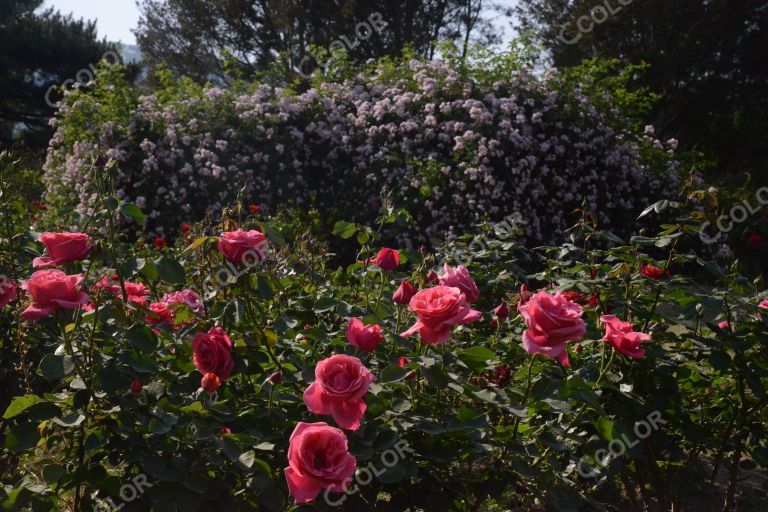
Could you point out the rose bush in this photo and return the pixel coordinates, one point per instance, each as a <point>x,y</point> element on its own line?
<point>455,143</point>
<point>249,396</point>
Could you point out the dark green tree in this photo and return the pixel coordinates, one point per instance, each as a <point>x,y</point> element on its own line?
<point>707,61</point>
<point>221,39</point>
<point>40,50</point>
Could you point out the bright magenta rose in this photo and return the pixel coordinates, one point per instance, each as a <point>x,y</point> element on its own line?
<point>341,382</point>
<point>404,293</point>
<point>51,290</point>
<point>8,291</point>
<point>387,259</point>
<point>63,248</point>
<point>363,337</point>
<point>318,458</point>
<point>552,320</point>
<point>459,277</point>
<point>623,338</point>
<point>439,309</point>
<point>212,353</point>
<point>242,247</point>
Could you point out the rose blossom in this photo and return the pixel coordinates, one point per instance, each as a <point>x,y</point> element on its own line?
<point>212,353</point>
<point>62,248</point>
<point>363,337</point>
<point>159,312</point>
<point>210,382</point>
<point>318,458</point>
<point>460,278</point>
<point>501,311</point>
<point>654,272</point>
<point>135,292</point>
<point>188,297</point>
<point>341,382</point>
<point>8,291</point>
<point>439,309</point>
<point>552,320</point>
<point>387,259</point>
<point>242,247</point>
<point>725,324</point>
<point>404,293</point>
<point>623,338</point>
<point>51,290</point>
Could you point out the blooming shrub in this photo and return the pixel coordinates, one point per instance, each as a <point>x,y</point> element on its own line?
<point>253,397</point>
<point>453,145</point>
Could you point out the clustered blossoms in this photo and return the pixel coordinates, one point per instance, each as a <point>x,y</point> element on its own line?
<point>453,152</point>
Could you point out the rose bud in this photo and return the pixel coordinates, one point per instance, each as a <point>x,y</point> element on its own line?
<point>210,382</point>
<point>501,311</point>
<point>404,293</point>
<point>136,386</point>
<point>387,259</point>
<point>275,378</point>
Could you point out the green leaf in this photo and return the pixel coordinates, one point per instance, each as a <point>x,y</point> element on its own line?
<point>142,338</point>
<point>21,404</point>
<point>274,236</point>
<point>344,229</point>
<point>53,473</point>
<point>54,367</point>
<point>477,357</point>
<point>170,271</point>
<point>22,437</point>
<point>131,211</point>
<point>392,373</point>
<point>720,361</point>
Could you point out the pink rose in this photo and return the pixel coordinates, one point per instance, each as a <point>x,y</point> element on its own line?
<point>404,293</point>
<point>63,248</point>
<point>387,259</point>
<point>341,382</point>
<point>459,277</point>
<point>51,290</point>
<point>135,292</point>
<point>763,305</point>
<point>318,458</point>
<point>725,324</point>
<point>210,382</point>
<point>552,320</point>
<point>623,338</point>
<point>363,337</point>
<point>8,291</point>
<point>242,247</point>
<point>188,297</point>
<point>159,313</point>
<point>439,309</point>
<point>212,353</point>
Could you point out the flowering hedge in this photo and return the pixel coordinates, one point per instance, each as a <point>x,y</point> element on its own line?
<point>240,369</point>
<point>455,145</point>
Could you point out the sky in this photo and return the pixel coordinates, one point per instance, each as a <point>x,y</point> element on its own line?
<point>114,18</point>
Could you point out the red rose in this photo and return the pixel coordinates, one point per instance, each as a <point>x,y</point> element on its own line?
<point>63,248</point>
<point>387,259</point>
<point>160,242</point>
<point>212,353</point>
<point>318,458</point>
<point>755,240</point>
<point>551,320</point>
<point>185,228</point>
<point>432,277</point>
<point>460,278</point>
<point>159,313</point>
<point>402,362</point>
<point>577,297</point>
<point>501,311</point>
<point>439,309</point>
<point>255,208</point>
<point>51,290</point>
<point>404,293</point>
<point>363,337</point>
<point>341,382</point>
<point>8,291</point>
<point>210,382</point>
<point>623,338</point>
<point>136,386</point>
<point>242,247</point>
<point>654,272</point>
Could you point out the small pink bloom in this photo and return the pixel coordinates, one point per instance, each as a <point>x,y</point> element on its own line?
<point>188,297</point>
<point>439,310</point>
<point>551,320</point>
<point>460,278</point>
<point>159,313</point>
<point>341,382</point>
<point>387,259</point>
<point>763,305</point>
<point>210,382</point>
<point>404,293</point>
<point>51,290</point>
<point>242,247</point>
<point>212,353</point>
<point>363,337</point>
<point>8,291</point>
<point>63,248</point>
<point>402,362</point>
<point>318,458</point>
<point>623,338</point>
<point>725,324</point>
